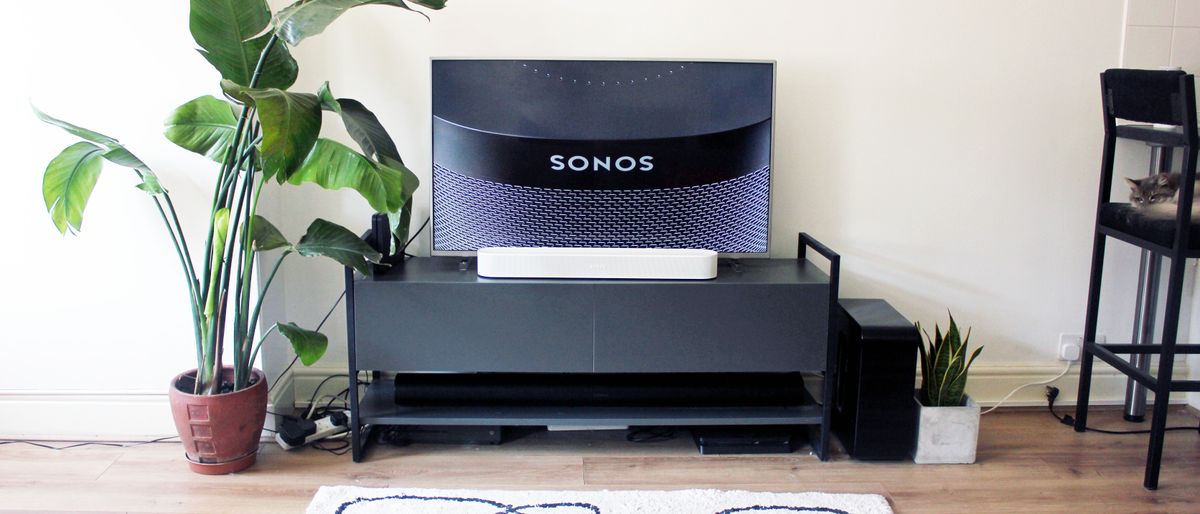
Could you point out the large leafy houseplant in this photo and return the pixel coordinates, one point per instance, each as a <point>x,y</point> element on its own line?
<point>944,366</point>
<point>259,132</point>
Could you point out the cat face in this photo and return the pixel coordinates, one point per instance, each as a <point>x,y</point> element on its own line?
<point>1152,190</point>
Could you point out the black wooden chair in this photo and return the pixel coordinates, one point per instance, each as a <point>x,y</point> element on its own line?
<point>1155,99</point>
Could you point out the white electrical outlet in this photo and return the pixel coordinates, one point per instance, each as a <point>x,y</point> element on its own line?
<point>1070,346</point>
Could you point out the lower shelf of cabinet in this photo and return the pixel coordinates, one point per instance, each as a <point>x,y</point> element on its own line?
<point>378,407</point>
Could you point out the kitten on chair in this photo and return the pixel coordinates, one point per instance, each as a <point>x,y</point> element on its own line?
<point>1158,195</point>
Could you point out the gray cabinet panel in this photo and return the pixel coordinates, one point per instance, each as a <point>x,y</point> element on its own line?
<point>475,326</point>
<point>710,327</point>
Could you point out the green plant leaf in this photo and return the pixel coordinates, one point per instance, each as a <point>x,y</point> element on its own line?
<point>362,125</point>
<point>75,130</point>
<point>121,156</point>
<point>236,91</point>
<point>220,232</point>
<point>206,125</point>
<point>333,165</point>
<point>68,183</point>
<point>266,236</point>
<point>944,366</point>
<point>150,184</point>
<point>114,152</point>
<point>408,180</point>
<point>431,4</point>
<point>290,122</point>
<point>232,34</point>
<point>309,345</point>
<point>399,223</point>
<point>926,365</point>
<point>310,17</point>
<point>328,102</point>
<point>338,243</point>
<point>952,391</point>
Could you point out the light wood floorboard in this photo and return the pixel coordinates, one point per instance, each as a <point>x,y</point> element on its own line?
<point>1028,462</point>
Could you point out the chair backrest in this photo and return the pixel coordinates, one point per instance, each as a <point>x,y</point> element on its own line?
<point>1149,96</point>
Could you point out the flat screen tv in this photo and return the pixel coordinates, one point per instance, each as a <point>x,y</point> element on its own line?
<point>601,153</point>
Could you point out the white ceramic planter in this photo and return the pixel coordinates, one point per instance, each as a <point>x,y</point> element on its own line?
<point>947,435</point>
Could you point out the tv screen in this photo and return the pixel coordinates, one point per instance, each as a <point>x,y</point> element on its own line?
<point>596,153</point>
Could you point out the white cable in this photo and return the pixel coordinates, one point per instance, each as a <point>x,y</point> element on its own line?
<point>313,406</point>
<point>1014,391</point>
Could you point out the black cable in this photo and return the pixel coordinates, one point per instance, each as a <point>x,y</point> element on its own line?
<point>1052,394</point>
<point>329,408</point>
<point>322,384</point>
<point>329,405</point>
<point>114,444</point>
<point>318,329</point>
<point>340,449</point>
<point>404,249</point>
<point>285,370</point>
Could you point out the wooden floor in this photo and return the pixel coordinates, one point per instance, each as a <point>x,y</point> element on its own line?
<point>1027,463</point>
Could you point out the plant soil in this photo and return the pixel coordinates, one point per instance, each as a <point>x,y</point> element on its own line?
<point>188,385</point>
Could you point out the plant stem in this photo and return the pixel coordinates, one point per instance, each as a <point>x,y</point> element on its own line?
<point>250,325</point>
<point>237,233</point>
<point>185,258</point>
<point>263,290</point>
<point>246,224</point>
<point>216,267</point>
<point>262,58</point>
<point>231,159</point>
<point>258,346</point>
<point>191,270</point>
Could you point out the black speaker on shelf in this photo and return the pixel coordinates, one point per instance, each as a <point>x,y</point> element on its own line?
<point>874,414</point>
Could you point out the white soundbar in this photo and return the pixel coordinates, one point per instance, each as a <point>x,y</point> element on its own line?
<point>616,263</point>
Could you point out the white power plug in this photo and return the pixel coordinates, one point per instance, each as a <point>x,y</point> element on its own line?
<point>294,432</point>
<point>1070,346</point>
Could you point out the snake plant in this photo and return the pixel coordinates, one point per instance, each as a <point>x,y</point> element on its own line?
<point>944,366</point>
<point>258,131</point>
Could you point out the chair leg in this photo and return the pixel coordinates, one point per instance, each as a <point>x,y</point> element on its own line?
<point>1166,365</point>
<point>1089,333</point>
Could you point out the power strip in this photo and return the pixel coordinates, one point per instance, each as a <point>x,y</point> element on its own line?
<point>295,432</point>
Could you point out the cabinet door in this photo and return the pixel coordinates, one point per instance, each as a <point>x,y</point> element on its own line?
<point>708,327</point>
<point>473,327</point>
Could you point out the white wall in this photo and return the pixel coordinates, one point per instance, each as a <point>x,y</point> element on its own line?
<point>100,321</point>
<point>947,149</point>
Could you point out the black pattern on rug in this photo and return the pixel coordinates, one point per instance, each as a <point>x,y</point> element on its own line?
<point>504,508</point>
<point>520,509</point>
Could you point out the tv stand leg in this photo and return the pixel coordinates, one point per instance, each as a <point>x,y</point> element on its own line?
<point>818,443</point>
<point>360,438</point>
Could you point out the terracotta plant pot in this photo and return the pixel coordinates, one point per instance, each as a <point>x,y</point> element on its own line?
<point>220,433</point>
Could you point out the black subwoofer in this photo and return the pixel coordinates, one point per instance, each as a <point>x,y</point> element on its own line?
<point>874,414</point>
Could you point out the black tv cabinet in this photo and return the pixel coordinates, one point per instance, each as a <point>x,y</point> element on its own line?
<point>436,315</point>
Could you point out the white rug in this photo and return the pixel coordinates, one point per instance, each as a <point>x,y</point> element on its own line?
<point>363,500</point>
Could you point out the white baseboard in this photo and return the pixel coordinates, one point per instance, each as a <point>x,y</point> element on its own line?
<point>83,415</point>
<point>987,384</point>
<point>990,384</point>
<point>306,381</point>
<point>140,415</point>
<point>89,416</point>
